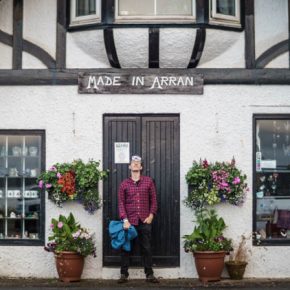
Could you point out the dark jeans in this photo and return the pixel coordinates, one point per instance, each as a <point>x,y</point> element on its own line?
<point>144,240</point>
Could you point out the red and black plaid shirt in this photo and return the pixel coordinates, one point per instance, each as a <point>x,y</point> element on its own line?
<point>136,200</point>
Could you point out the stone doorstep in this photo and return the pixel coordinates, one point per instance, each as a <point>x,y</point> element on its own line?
<point>141,283</point>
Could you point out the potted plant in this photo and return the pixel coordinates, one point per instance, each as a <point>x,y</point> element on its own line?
<point>70,243</point>
<point>73,181</point>
<point>237,263</point>
<point>208,245</point>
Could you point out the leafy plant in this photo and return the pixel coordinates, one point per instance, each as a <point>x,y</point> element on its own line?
<point>212,183</point>
<point>74,181</point>
<point>207,234</point>
<point>68,235</point>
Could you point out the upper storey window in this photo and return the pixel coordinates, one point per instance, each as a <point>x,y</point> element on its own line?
<point>225,12</point>
<point>85,12</point>
<point>154,10</point>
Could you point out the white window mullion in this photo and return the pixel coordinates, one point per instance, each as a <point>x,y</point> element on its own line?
<point>155,7</point>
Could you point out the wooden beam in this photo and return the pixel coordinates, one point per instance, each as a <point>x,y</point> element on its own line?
<point>61,34</point>
<point>111,48</point>
<point>271,53</point>
<point>250,54</point>
<point>17,34</point>
<point>153,48</point>
<point>211,76</point>
<point>289,30</point>
<point>198,48</point>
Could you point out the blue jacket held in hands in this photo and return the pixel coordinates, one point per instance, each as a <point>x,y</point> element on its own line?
<point>120,237</point>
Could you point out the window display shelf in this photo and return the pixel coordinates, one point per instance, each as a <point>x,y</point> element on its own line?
<point>275,197</point>
<point>270,170</point>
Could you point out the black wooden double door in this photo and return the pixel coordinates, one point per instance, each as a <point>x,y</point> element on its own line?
<point>156,139</point>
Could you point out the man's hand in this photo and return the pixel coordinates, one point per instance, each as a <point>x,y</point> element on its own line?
<point>126,225</point>
<point>149,219</point>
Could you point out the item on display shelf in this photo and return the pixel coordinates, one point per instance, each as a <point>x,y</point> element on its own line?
<point>33,193</point>
<point>1,193</point>
<point>13,172</point>
<point>10,193</point>
<point>258,161</point>
<point>33,172</point>
<point>1,236</point>
<point>2,151</point>
<point>17,193</point>
<point>33,151</point>
<point>260,194</point>
<point>13,215</point>
<point>16,151</point>
<point>33,236</point>
<point>26,234</point>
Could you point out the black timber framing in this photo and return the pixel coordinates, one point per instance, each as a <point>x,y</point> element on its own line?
<point>197,48</point>
<point>211,76</point>
<point>111,48</point>
<point>61,34</point>
<point>202,11</point>
<point>153,48</point>
<point>17,34</point>
<point>250,54</point>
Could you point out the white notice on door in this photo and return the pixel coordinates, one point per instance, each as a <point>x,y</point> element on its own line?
<point>122,152</point>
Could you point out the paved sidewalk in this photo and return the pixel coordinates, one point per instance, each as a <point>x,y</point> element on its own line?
<point>174,284</point>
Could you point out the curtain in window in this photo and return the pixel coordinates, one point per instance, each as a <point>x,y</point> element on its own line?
<point>85,7</point>
<point>226,7</point>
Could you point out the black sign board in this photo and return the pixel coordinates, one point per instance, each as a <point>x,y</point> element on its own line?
<point>141,83</point>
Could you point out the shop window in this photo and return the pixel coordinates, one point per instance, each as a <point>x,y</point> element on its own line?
<point>21,202</point>
<point>84,12</point>
<point>155,10</point>
<point>225,12</point>
<point>272,180</point>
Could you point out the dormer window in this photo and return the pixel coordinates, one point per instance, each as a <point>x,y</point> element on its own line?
<point>225,12</point>
<point>154,10</point>
<point>85,12</point>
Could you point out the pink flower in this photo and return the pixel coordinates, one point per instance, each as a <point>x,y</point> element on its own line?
<point>237,180</point>
<point>52,168</point>
<point>48,185</point>
<point>60,225</point>
<point>51,226</point>
<point>58,175</point>
<point>205,163</point>
<point>40,184</point>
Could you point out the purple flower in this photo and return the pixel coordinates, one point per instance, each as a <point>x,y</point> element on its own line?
<point>48,185</point>
<point>60,225</point>
<point>237,180</point>
<point>58,175</point>
<point>51,226</point>
<point>40,184</point>
<point>52,168</point>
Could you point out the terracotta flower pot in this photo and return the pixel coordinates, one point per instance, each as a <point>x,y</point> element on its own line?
<point>236,269</point>
<point>69,266</point>
<point>209,265</point>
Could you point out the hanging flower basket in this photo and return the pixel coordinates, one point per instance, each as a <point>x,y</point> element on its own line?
<point>73,181</point>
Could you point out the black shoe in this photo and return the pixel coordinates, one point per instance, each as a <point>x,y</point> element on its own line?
<point>152,279</point>
<point>123,279</point>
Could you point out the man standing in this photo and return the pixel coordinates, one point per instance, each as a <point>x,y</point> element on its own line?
<point>138,206</point>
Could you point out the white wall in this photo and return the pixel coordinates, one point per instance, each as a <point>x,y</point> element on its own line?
<point>216,125</point>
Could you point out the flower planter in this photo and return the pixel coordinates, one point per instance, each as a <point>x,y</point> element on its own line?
<point>209,265</point>
<point>236,269</point>
<point>69,266</point>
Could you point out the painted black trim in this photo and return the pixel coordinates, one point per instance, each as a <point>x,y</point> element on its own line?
<point>41,241</point>
<point>211,76</point>
<point>108,11</point>
<point>30,48</point>
<point>17,34</point>
<point>202,12</point>
<point>255,118</point>
<point>198,48</point>
<point>111,48</point>
<point>271,53</point>
<point>250,54</point>
<point>61,34</point>
<point>99,26</point>
<point>153,60</point>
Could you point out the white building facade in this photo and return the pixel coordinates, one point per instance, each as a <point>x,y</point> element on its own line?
<point>241,49</point>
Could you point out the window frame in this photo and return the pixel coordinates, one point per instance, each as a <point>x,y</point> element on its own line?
<point>222,19</point>
<point>259,117</point>
<point>84,20</point>
<point>155,18</point>
<point>41,240</point>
